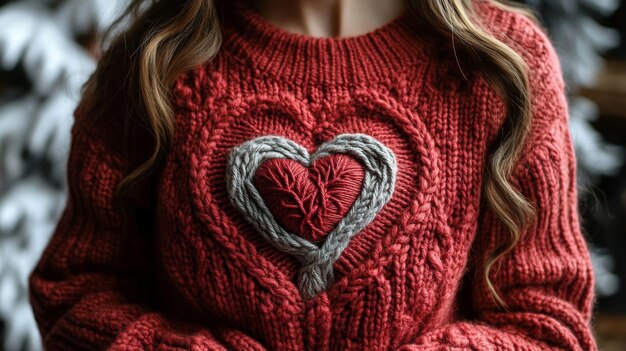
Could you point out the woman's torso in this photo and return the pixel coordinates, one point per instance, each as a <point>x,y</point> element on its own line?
<point>397,276</point>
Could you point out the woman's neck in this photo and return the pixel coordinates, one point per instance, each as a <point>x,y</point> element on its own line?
<point>330,18</point>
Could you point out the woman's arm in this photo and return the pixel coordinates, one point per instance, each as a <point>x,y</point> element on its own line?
<point>547,279</point>
<point>94,286</point>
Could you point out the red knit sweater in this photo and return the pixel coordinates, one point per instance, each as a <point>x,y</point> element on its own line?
<point>322,194</point>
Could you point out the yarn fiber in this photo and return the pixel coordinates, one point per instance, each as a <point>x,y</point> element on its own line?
<point>320,194</point>
<point>310,201</point>
<point>377,187</point>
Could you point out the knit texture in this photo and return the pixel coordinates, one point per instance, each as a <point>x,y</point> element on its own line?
<point>310,202</point>
<point>321,194</point>
<point>376,189</point>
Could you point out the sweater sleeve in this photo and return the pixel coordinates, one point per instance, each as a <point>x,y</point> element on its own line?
<point>94,285</point>
<point>547,279</point>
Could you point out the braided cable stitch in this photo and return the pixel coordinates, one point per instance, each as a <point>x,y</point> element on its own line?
<point>316,273</point>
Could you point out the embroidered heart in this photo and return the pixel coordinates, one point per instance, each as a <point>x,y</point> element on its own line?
<point>310,201</point>
<point>379,176</point>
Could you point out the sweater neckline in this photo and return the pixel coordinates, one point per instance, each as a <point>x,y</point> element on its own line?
<point>299,58</point>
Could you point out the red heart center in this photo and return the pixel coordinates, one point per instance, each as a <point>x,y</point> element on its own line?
<point>310,201</point>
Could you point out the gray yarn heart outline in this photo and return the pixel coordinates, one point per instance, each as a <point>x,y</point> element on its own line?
<point>316,273</point>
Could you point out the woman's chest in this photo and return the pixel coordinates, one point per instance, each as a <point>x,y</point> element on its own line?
<point>324,217</point>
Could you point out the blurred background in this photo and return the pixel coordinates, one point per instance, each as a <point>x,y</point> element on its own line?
<point>48,48</point>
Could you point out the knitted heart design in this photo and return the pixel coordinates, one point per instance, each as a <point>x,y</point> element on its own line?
<point>379,167</point>
<point>310,201</point>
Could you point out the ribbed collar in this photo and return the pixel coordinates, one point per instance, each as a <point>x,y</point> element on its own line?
<point>295,57</point>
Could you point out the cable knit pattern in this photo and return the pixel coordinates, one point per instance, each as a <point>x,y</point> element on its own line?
<point>201,256</point>
<point>376,189</point>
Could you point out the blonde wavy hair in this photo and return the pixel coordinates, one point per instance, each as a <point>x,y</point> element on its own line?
<point>169,37</point>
